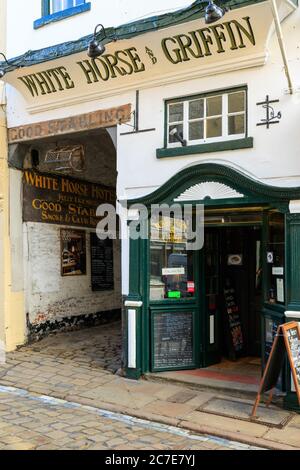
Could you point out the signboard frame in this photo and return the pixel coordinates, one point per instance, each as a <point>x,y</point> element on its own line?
<point>281,344</point>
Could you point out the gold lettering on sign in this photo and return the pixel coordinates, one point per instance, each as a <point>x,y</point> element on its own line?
<point>231,35</point>
<point>48,81</point>
<point>95,120</point>
<point>63,200</point>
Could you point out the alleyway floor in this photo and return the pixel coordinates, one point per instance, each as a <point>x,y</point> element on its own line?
<point>62,393</point>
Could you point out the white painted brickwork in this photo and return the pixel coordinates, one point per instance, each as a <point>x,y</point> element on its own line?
<point>53,297</point>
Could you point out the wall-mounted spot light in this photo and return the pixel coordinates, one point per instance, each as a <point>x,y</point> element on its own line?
<point>96,48</point>
<point>213,12</point>
<point>2,71</point>
<point>177,136</point>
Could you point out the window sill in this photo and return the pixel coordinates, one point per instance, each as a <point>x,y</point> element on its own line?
<point>61,15</point>
<point>205,148</point>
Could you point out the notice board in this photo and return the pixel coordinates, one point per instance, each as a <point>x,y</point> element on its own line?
<point>102,264</point>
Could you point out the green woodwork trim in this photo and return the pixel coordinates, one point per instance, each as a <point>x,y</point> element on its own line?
<point>125,31</point>
<point>238,144</point>
<point>293,261</point>
<point>253,190</point>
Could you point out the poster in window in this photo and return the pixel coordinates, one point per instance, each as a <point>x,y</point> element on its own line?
<point>73,252</point>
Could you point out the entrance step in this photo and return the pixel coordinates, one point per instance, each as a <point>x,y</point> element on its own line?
<point>246,387</point>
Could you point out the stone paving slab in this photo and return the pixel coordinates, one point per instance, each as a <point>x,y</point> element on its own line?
<point>49,372</point>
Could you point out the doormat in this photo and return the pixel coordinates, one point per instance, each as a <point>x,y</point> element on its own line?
<point>229,408</point>
<point>182,397</point>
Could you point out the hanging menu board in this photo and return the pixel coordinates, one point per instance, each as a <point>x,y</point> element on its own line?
<point>173,340</point>
<point>102,264</point>
<point>287,340</point>
<point>233,319</point>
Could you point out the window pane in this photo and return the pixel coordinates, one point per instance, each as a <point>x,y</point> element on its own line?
<point>60,5</point>
<point>196,109</point>
<point>214,106</point>
<point>171,265</point>
<point>176,112</point>
<point>179,128</point>
<point>236,102</point>
<point>214,127</point>
<point>236,124</point>
<point>196,130</point>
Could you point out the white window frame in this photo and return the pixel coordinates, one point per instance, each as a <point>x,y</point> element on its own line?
<point>225,115</point>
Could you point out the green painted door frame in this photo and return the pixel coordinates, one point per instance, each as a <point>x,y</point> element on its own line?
<point>254,194</point>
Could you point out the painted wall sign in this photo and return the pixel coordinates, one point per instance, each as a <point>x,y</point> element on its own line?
<point>188,50</point>
<point>63,200</point>
<point>82,122</point>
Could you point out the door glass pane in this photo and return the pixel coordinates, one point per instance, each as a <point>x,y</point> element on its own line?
<point>196,109</point>
<point>171,265</point>
<point>196,130</point>
<point>276,258</point>
<point>176,112</point>
<point>236,124</point>
<point>214,127</point>
<point>236,102</point>
<point>214,106</point>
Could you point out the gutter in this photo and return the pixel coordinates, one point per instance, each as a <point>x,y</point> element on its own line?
<point>282,45</point>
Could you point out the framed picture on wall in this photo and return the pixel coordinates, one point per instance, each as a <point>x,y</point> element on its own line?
<point>73,252</point>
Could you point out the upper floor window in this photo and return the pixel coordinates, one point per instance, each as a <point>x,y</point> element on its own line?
<point>59,5</point>
<point>57,10</point>
<point>207,118</point>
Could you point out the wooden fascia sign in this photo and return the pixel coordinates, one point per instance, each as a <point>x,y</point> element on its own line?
<point>190,49</point>
<point>286,340</point>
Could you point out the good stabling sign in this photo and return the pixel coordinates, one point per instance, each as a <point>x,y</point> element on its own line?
<point>286,340</point>
<point>63,200</point>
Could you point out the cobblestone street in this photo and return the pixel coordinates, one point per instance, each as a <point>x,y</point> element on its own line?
<point>62,393</point>
<point>29,422</point>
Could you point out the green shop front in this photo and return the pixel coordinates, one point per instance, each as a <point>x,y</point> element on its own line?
<point>189,309</point>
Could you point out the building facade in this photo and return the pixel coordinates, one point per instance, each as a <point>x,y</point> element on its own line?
<point>174,111</point>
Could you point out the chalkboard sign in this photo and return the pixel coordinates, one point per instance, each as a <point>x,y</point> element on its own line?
<point>233,320</point>
<point>287,340</point>
<point>102,264</point>
<point>293,342</point>
<point>173,340</point>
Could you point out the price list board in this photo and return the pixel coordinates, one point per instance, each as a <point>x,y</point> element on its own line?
<point>102,264</point>
<point>293,339</point>
<point>234,324</point>
<point>172,340</point>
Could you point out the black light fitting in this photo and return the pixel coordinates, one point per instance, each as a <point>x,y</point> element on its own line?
<point>2,71</point>
<point>96,48</point>
<point>178,136</point>
<point>213,12</point>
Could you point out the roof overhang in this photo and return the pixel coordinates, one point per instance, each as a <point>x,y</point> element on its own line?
<point>154,51</point>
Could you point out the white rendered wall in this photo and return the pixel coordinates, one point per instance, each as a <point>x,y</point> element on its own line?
<point>21,15</point>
